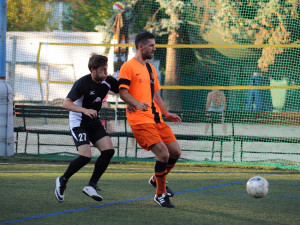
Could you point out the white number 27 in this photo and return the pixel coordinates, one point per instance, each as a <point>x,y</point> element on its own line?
<point>82,137</point>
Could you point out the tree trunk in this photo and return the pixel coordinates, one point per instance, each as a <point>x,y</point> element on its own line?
<point>172,98</point>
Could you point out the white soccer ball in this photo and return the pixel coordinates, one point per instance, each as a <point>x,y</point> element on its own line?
<point>257,187</point>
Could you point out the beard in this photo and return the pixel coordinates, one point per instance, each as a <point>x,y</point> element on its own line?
<point>98,78</point>
<point>147,56</point>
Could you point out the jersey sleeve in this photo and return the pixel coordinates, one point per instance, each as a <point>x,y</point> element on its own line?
<point>125,76</point>
<point>114,85</point>
<point>76,91</point>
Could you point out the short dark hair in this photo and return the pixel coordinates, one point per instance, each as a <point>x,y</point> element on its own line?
<point>97,61</point>
<point>143,38</point>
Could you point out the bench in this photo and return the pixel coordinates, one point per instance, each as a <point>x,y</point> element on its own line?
<point>212,118</point>
<point>190,116</point>
<point>238,118</point>
<point>43,115</point>
<point>54,120</point>
<point>35,120</point>
<point>263,118</point>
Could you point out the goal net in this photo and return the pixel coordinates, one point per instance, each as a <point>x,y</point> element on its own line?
<point>246,51</point>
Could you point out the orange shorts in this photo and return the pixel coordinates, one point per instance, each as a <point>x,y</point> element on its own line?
<point>148,134</point>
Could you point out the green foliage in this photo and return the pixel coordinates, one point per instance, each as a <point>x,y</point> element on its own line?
<point>28,15</point>
<point>252,22</point>
<point>86,15</point>
<point>139,13</point>
<point>163,24</point>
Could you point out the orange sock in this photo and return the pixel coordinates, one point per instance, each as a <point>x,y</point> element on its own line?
<point>161,179</point>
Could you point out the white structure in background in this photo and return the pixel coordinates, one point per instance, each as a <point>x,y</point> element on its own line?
<point>57,62</point>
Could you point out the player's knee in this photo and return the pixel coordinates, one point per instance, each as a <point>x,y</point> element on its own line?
<point>108,153</point>
<point>175,151</point>
<point>163,156</point>
<point>84,159</point>
<point>176,155</point>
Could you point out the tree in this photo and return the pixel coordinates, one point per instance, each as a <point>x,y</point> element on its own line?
<point>29,15</point>
<point>86,15</point>
<point>170,26</point>
<point>271,22</point>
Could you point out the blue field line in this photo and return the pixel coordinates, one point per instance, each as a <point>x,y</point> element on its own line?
<point>74,210</point>
<point>113,203</point>
<point>235,193</point>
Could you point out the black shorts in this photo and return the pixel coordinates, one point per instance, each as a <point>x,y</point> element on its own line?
<point>87,133</point>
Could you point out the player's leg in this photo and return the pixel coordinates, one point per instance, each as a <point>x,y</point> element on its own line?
<point>105,146</point>
<point>148,138</point>
<point>81,141</point>
<point>174,150</point>
<point>103,142</point>
<point>171,143</point>
<point>161,153</point>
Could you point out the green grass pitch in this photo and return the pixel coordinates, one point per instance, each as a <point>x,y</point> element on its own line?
<point>203,195</point>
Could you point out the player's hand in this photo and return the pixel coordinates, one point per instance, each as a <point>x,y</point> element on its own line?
<point>131,108</point>
<point>91,113</point>
<point>143,106</point>
<point>173,117</point>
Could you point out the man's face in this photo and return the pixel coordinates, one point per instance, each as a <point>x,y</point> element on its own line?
<point>148,49</point>
<point>99,74</point>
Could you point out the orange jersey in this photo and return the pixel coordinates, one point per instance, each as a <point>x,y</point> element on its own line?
<point>135,77</point>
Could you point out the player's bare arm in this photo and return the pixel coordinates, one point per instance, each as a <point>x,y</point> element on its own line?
<point>69,105</point>
<point>126,97</point>
<point>170,116</point>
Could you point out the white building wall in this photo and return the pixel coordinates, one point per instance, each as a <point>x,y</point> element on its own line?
<point>57,63</point>
<point>67,63</point>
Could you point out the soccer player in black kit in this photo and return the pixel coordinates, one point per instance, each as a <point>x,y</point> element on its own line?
<point>84,102</point>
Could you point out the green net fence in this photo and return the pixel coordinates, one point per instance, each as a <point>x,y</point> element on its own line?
<point>243,52</point>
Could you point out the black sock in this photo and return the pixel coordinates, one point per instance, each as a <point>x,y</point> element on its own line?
<point>172,161</point>
<point>171,164</point>
<point>101,165</point>
<point>74,166</point>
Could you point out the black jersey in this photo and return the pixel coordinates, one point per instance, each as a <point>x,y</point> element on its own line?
<point>89,94</point>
